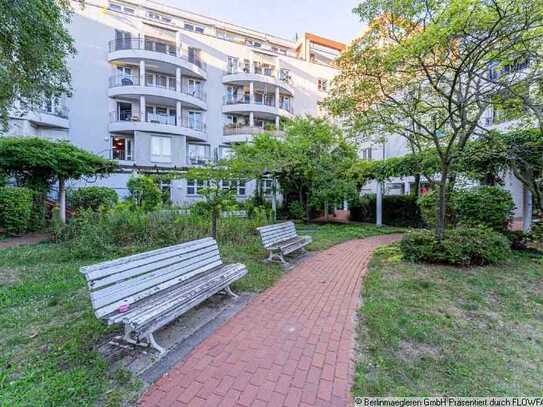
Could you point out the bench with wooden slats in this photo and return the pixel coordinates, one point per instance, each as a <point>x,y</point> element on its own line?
<point>148,290</point>
<point>281,239</point>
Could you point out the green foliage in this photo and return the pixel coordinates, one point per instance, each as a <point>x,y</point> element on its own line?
<point>34,50</point>
<point>481,206</point>
<point>460,247</point>
<point>296,210</point>
<point>126,228</point>
<point>16,205</point>
<point>36,162</point>
<point>92,198</point>
<point>144,192</point>
<point>312,162</point>
<point>398,210</point>
<point>484,206</point>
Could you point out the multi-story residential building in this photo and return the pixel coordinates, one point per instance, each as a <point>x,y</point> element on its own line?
<point>158,88</point>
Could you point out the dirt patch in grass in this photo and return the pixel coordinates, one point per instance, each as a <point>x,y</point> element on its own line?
<point>9,276</point>
<point>411,351</point>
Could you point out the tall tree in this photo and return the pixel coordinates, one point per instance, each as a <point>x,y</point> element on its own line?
<point>422,71</point>
<point>34,46</point>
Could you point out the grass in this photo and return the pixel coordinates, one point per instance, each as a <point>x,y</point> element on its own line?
<point>436,330</point>
<point>49,334</point>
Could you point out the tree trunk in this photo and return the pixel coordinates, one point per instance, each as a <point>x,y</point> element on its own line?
<point>326,210</point>
<point>307,209</point>
<point>214,224</point>
<point>417,185</point>
<point>62,199</point>
<point>274,201</point>
<point>441,218</point>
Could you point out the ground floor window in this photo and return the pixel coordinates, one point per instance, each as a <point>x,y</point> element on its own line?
<point>194,187</point>
<point>267,186</point>
<point>395,188</point>
<point>237,186</point>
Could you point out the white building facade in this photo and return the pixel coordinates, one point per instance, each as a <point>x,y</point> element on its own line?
<point>158,88</point>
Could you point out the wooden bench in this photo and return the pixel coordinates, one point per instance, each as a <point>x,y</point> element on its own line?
<point>148,290</point>
<point>281,239</point>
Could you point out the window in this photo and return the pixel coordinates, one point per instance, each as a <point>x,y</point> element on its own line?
<point>253,43</point>
<point>123,40</point>
<point>237,186</point>
<point>192,27</point>
<point>198,154</point>
<point>158,45</point>
<point>159,17</point>
<point>121,8</point>
<point>395,188</point>
<point>232,65</point>
<point>322,84</point>
<point>194,186</point>
<point>194,120</point>
<point>161,149</point>
<point>267,186</point>
<point>366,154</point>
<point>124,111</point>
<point>122,148</point>
<point>193,87</point>
<point>194,56</point>
<point>199,29</point>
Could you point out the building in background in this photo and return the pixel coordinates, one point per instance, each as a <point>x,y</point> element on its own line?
<point>158,88</point>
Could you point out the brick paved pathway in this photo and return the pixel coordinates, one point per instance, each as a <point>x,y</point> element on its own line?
<point>291,346</point>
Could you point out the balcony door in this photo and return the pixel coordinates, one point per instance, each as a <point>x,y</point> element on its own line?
<point>194,87</point>
<point>122,39</point>
<point>124,111</point>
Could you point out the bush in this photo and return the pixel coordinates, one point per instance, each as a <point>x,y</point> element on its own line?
<point>16,209</point>
<point>296,210</point>
<point>460,247</point>
<point>482,206</point>
<point>125,229</point>
<point>92,198</point>
<point>144,192</point>
<point>398,210</point>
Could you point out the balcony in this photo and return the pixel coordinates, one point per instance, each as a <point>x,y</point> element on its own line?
<point>130,85</point>
<point>281,79</point>
<point>52,113</point>
<point>135,49</point>
<point>240,134</point>
<point>157,123</point>
<point>267,107</point>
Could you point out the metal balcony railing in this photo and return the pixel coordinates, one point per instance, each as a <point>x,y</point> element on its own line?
<point>235,100</point>
<point>134,80</point>
<point>193,124</point>
<point>120,44</point>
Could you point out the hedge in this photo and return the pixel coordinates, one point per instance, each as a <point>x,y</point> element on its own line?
<point>92,198</point>
<point>398,210</point>
<point>16,209</point>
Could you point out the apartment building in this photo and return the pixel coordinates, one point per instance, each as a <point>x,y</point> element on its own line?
<point>158,88</point>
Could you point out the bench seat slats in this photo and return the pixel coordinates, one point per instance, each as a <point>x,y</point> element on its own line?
<point>132,294</point>
<point>105,269</point>
<point>283,238</point>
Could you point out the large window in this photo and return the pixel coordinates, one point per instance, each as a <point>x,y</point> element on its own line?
<point>366,153</point>
<point>161,149</point>
<point>122,148</point>
<point>195,56</point>
<point>198,154</point>
<point>267,186</point>
<point>195,120</point>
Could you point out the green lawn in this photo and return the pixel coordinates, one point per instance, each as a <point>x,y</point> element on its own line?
<point>430,330</point>
<point>49,333</point>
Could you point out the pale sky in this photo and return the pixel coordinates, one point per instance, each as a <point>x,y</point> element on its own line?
<point>330,18</point>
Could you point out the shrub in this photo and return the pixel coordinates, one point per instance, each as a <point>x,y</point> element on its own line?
<point>296,210</point>
<point>398,210</point>
<point>460,247</point>
<point>144,192</point>
<point>125,229</point>
<point>16,206</point>
<point>92,198</point>
<point>484,206</point>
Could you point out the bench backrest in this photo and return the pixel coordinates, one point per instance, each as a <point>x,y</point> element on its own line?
<point>273,234</point>
<point>133,278</point>
<point>234,214</point>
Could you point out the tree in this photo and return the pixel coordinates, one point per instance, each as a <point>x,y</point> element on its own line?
<point>34,46</point>
<point>310,163</point>
<point>219,181</point>
<point>36,163</point>
<point>421,71</point>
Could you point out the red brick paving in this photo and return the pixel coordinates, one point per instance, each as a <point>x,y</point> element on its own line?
<point>291,346</point>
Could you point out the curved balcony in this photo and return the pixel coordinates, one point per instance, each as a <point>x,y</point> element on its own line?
<point>242,105</point>
<point>268,78</point>
<point>136,49</point>
<point>241,134</point>
<point>129,85</point>
<point>120,123</point>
